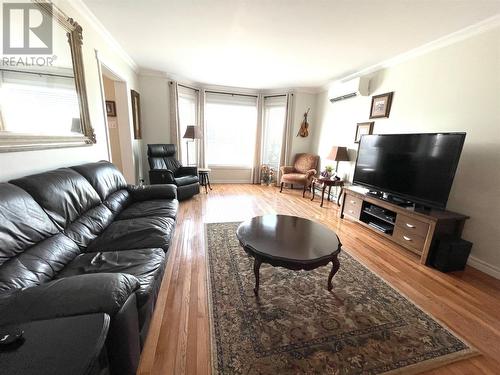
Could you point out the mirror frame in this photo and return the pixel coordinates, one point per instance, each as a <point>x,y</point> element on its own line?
<point>10,141</point>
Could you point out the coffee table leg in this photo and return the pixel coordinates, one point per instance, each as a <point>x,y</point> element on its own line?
<point>256,267</point>
<point>335,268</point>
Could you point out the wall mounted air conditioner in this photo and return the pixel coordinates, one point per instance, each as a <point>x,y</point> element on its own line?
<point>349,89</point>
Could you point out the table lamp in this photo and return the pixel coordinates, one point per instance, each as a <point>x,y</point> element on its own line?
<point>338,153</point>
<point>192,133</point>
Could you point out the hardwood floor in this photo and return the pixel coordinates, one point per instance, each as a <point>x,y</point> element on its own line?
<point>178,343</point>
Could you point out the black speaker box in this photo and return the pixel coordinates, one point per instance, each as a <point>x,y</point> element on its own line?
<point>450,254</point>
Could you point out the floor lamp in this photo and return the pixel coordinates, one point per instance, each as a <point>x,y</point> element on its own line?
<point>192,133</point>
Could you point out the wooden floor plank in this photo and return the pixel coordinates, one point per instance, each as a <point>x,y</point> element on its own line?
<point>468,302</point>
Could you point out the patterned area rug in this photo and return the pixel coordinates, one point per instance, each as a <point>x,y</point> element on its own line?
<point>297,327</point>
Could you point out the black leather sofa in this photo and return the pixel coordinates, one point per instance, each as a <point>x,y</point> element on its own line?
<point>166,169</point>
<point>79,240</point>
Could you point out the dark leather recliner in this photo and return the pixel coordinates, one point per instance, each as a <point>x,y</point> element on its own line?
<point>166,169</point>
<point>78,241</point>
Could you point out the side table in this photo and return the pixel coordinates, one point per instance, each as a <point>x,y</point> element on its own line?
<point>204,174</point>
<point>327,182</point>
<point>61,346</point>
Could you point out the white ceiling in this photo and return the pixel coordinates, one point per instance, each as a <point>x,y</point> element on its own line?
<point>278,43</point>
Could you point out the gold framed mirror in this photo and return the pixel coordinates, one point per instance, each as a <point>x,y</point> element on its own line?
<point>43,99</point>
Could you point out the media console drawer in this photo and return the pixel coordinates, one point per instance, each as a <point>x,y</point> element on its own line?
<point>352,206</point>
<point>412,225</point>
<point>409,239</point>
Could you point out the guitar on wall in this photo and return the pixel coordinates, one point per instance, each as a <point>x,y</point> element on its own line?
<point>303,132</point>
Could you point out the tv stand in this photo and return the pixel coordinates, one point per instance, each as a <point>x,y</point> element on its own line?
<point>414,228</point>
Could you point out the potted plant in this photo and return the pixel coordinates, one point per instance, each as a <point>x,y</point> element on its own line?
<point>328,172</point>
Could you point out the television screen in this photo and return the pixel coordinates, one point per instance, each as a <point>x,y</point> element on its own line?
<point>416,167</point>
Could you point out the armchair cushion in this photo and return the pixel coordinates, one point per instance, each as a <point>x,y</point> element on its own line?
<point>295,178</point>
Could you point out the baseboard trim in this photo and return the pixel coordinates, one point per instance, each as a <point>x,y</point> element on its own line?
<point>482,266</point>
<point>231,182</point>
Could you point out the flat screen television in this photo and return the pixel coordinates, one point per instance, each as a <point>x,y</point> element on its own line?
<point>416,167</point>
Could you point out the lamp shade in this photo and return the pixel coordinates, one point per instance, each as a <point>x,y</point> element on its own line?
<point>338,153</point>
<point>192,132</point>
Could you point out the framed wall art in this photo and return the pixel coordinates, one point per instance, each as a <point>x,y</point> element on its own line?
<point>381,105</point>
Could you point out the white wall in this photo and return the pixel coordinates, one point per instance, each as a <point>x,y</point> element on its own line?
<point>17,164</point>
<point>303,101</point>
<point>455,88</point>
<point>155,108</point>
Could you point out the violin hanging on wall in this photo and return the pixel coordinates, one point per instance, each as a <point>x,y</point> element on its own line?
<point>303,132</point>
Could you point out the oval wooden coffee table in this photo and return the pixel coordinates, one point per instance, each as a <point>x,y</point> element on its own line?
<point>291,242</point>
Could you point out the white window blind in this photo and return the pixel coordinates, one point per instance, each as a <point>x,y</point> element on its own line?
<point>272,134</point>
<point>231,124</point>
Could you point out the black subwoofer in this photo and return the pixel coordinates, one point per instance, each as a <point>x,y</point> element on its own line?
<point>450,254</point>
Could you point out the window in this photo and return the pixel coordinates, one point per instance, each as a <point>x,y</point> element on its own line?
<point>272,133</point>
<point>231,124</point>
<point>188,114</point>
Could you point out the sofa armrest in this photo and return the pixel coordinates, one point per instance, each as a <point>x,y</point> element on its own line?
<point>148,192</point>
<point>76,295</point>
<point>187,171</point>
<point>161,176</point>
<point>287,169</point>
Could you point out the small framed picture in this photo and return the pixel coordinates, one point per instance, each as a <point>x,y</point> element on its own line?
<point>381,105</point>
<point>363,128</point>
<point>110,108</point>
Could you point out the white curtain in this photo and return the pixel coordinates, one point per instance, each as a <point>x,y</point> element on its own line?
<point>287,135</point>
<point>175,136</point>
<point>202,163</point>
<point>258,140</point>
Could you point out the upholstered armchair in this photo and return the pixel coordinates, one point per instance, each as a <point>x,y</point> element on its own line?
<point>166,169</point>
<point>301,173</point>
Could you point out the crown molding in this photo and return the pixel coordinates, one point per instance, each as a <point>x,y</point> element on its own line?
<point>455,37</point>
<point>82,9</point>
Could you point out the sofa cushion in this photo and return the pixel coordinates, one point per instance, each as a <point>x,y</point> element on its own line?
<point>38,264</point>
<point>147,265</point>
<point>88,226</point>
<point>103,176</point>
<point>77,295</point>
<point>23,223</point>
<point>63,193</point>
<point>138,233</point>
<point>186,180</point>
<point>158,207</point>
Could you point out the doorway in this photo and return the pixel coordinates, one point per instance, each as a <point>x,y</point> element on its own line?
<point>121,145</point>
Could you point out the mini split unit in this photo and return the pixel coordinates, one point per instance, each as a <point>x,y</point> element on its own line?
<point>349,89</point>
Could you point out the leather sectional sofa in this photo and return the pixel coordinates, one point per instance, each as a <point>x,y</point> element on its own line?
<point>78,241</point>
